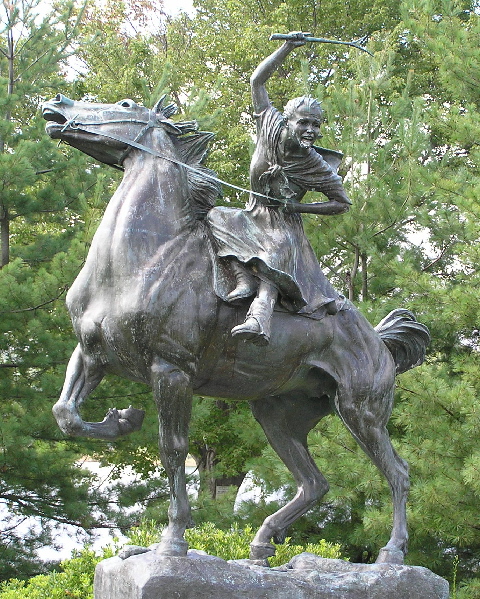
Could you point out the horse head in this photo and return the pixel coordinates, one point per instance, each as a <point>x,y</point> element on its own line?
<point>107,132</point>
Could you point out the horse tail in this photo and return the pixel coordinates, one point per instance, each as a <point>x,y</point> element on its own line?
<point>406,338</point>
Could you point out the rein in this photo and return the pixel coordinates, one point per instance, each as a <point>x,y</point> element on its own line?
<point>152,124</point>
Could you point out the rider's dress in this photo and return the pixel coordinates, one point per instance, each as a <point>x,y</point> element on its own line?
<point>269,240</point>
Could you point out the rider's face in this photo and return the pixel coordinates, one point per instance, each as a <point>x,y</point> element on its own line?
<point>304,126</point>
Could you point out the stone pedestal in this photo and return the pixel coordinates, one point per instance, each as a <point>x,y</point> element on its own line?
<point>200,576</point>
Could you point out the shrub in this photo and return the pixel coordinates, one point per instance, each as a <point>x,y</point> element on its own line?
<point>75,581</point>
<point>235,544</point>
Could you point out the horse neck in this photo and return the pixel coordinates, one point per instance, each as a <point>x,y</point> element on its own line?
<point>155,188</point>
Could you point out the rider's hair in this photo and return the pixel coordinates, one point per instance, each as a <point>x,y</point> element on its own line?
<point>292,105</point>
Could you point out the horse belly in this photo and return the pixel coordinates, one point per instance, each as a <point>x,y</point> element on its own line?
<point>245,371</point>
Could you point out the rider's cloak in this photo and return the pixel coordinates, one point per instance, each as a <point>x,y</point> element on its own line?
<point>266,238</point>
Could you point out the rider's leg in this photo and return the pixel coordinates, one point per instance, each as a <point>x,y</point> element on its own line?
<point>246,284</point>
<point>256,327</point>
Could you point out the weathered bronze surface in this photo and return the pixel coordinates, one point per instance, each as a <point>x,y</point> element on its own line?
<point>148,306</point>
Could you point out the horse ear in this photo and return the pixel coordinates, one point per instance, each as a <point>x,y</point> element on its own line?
<point>164,111</point>
<point>158,107</point>
<point>170,127</point>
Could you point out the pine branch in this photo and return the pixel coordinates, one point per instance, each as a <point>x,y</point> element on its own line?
<point>439,257</point>
<point>51,301</point>
<point>401,223</point>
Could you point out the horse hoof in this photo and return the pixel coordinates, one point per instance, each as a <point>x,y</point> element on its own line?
<point>172,548</point>
<point>130,550</point>
<point>130,420</point>
<point>390,556</point>
<point>260,551</point>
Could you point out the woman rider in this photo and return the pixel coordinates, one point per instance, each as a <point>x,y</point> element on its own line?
<point>267,239</point>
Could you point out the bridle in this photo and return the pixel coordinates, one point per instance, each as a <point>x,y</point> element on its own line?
<point>150,124</point>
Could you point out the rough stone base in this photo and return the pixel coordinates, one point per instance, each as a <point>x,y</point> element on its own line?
<point>200,576</point>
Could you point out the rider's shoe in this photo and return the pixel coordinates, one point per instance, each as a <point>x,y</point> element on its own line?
<point>246,284</point>
<point>256,327</point>
<point>250,330</point>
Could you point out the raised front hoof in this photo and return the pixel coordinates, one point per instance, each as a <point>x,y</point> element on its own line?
<point>390,556</point>
<point>172,547</point>
<point>261,551</point>
<point>130,420</point>
<point>116,424</point>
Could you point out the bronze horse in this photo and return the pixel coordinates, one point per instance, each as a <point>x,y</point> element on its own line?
<point>144,307</point>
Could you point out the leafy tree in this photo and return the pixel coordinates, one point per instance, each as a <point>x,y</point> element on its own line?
<point>49,204</point>
<point>407,121</point>
<point>411,240</point>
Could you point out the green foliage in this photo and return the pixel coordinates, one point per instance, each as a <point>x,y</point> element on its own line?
<point>74,580</point>
<point>235,544</point>
<point>50,201</point>
<point>226,429</point>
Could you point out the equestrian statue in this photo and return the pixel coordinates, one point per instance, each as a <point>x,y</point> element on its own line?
<point>190,298</point>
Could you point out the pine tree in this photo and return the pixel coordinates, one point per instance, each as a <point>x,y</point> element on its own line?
<point>407,121</point>
<point>45,220</point>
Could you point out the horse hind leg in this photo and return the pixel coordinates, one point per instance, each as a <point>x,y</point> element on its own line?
<point>286,423</point>
<point>368,427</point>
<point>82,377</point>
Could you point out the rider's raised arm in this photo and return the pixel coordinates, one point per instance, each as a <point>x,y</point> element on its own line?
<point>266,69</point>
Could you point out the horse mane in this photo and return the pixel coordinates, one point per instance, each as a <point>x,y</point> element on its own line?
<point>203,186</point>
<point>192,146</point>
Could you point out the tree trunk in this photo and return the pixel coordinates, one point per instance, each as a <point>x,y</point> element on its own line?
<point>351,275</point>
<point>4,238</point>
<point>4,216</point>
<point>363,261</point>
<point>206,459</point>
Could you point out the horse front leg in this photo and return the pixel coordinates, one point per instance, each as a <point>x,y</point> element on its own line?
<point>82,377</point>
<point>173,397</point>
